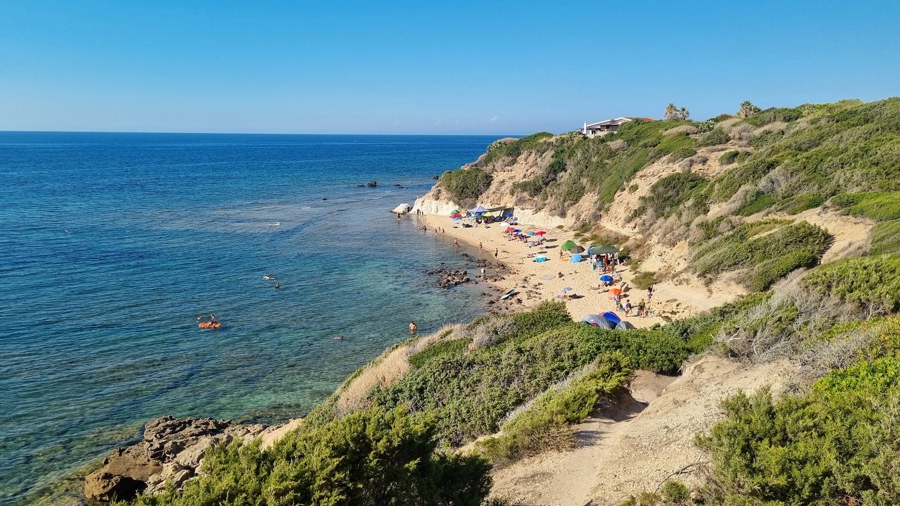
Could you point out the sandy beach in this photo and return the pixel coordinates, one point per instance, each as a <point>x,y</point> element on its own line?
<point>540,281</point>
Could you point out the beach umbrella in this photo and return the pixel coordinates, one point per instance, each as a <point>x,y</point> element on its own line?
<point>540,232</point>
<point>575,258</point>
<point>566,289</point>
<point>456,215</point>
<point>602,250</point>
<point>615,291</point>
<point>606,278</point>
<point>598,321</point>
<point>612,317</point>
<point>478,209</point>
<point>457,220</point>
<point>516,230</point>
<point>568,245</point>
<point>578,249</point>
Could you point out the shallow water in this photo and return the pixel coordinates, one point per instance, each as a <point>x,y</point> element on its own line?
<point>113,244</point>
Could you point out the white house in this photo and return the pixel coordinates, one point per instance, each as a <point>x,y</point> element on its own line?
<point>606,126</point>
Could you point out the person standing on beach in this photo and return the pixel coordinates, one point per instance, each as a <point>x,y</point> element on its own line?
<point>497,253</point>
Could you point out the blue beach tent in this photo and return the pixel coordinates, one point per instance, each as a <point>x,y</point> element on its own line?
<point>575,258</point>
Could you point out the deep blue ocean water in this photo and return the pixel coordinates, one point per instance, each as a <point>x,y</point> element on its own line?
<point>111,245</point>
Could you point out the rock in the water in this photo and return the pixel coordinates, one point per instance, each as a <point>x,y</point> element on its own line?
<point>106,487</point>
<point>171,450</point>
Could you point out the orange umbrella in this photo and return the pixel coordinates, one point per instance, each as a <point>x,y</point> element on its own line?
<point>615,291</point>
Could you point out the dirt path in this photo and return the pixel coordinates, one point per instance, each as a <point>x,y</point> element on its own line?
<point>634,444</point>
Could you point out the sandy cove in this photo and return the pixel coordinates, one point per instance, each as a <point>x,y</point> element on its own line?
<point>541,281</point>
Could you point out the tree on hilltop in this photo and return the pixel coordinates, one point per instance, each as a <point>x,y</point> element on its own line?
<point>675,113</point>
<point>747,109</point>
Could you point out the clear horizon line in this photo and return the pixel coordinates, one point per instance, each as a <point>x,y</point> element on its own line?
<point>254,133</point>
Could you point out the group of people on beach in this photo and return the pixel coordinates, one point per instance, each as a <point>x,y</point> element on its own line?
<point>606,262</point>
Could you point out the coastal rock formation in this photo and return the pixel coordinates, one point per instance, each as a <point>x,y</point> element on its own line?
<point>170,451</point>
<point>449,277</point>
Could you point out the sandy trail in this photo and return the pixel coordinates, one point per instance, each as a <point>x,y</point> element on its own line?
<point>634,444</point>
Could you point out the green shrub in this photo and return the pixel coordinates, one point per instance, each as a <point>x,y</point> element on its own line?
<point>669,192</point>
<point>840,444</point>
<point>675,492</point>
<point>775,114</point>
<point>545,424</point>
<point>714,137</point>
<point>369,457</point>
<point>886,238</point>
<point>534,142</point>
<point>879,206</point>
<point>759,203</point>
<point>465,186</point>
<point>870,282</point>
<point>768,257</point>
<point>643,279</point>
<point>441,349</point>
<point>768,272</point>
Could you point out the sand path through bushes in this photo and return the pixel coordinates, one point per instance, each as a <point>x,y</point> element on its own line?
<point>635,443</point>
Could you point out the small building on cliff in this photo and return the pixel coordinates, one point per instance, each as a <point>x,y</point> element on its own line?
<point>608,125</point>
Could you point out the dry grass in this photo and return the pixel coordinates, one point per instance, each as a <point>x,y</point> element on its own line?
<point>775,328</point>
<point>385,370</point>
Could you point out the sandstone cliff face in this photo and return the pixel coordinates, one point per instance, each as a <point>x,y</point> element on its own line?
<point>504,174</point>
<point>171,451</point>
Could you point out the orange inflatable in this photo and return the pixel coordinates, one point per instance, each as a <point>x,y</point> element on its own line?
<point>209,325</point>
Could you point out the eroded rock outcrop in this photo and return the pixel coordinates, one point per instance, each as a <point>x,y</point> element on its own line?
<point>170,451</point>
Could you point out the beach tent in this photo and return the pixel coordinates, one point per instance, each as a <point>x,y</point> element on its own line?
<point>598,321</point>
<point>575,258</point>
<point>612,317</point>
<point>478,210</point>
<point>401,209</point>
<point>578,249</point>
<point>602,250</point>
<point>623,325</point>
<point>568,245</point>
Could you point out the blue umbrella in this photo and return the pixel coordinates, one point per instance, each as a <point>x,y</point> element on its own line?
<point>612,317</point>
<point>598,321</point>
<point>606,278</point>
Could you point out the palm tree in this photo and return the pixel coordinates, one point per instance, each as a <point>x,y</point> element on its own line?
<point>747,109</point>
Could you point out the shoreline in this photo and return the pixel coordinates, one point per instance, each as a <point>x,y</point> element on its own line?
<point>536,282</point>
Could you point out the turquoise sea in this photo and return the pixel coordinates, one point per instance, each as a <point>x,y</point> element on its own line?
<point>111,245</point>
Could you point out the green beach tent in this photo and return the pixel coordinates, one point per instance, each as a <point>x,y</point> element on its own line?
<point>568,245</point>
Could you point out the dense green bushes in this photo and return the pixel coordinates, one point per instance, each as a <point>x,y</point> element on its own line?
<point>886,238</point>
<point>465,185</point>
<point>545,423</point>
<point>535,142</point>
<point>839,444</point>
<point>871,282</point>
<point>669,192</point>
<point>879,206</point>
<point>367,458</point>
<point>769,249</point>
<point>838,148</point>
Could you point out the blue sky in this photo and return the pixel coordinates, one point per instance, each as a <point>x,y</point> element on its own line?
<point>418,67</point>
